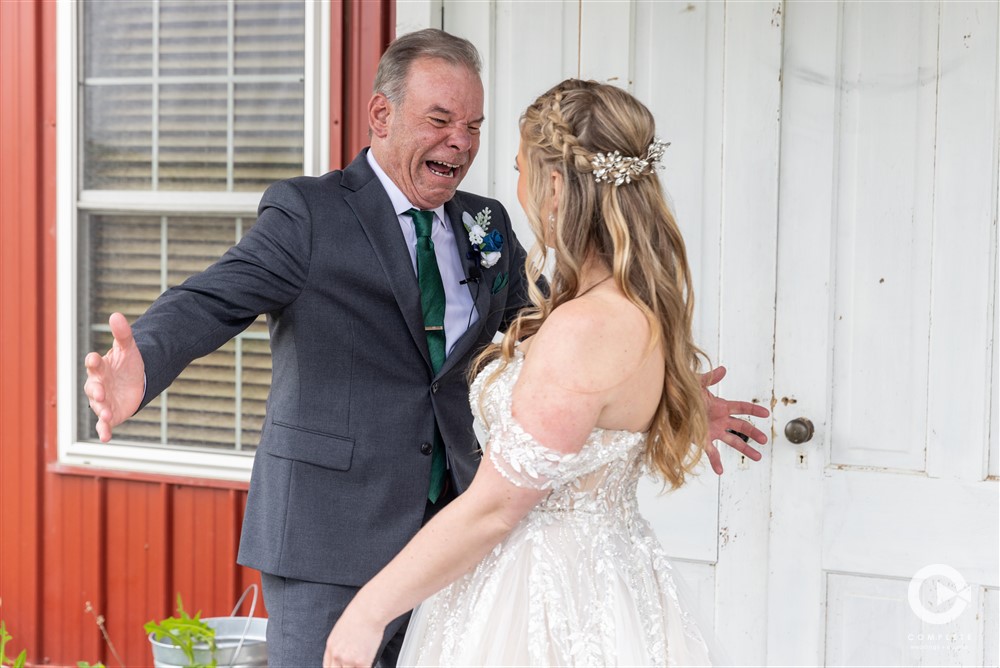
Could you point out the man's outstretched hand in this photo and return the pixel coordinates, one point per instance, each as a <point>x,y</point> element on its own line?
<point>116,382</point>
<point>720,419</point>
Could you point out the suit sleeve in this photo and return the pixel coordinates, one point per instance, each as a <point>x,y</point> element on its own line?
<point>263,273</point>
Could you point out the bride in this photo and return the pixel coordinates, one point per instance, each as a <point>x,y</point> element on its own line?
<point>545,560</point>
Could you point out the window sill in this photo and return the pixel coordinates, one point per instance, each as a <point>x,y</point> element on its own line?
<point>113,474</point>
<point>155,464</point>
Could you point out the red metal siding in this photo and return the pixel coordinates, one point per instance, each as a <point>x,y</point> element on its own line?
<point>129,547</point>
<point>137,574</point>
<point>21,335</point>
<point>126,543</point>
<point>75,543</point>
<point>212,537</point>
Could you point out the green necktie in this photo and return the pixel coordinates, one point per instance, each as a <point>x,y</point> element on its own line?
<point>432,301</point>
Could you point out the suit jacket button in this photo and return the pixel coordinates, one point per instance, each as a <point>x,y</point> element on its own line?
<point>426,448</point>
<point>434,387</point>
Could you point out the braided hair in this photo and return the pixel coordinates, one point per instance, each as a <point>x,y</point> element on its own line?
<point>629,229</point>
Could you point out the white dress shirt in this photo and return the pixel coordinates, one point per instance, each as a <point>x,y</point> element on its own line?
<point>459,310</point>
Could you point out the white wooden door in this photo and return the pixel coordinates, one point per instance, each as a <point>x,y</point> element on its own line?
<point>885,324</point>
<point>817,148</point>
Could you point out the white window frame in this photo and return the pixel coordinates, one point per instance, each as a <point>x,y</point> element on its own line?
<point>150,458</point>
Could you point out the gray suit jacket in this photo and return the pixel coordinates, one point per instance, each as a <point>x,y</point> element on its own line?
<point>340,477</point>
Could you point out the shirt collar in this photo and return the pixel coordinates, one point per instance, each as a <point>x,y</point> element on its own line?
<point>400,203</point>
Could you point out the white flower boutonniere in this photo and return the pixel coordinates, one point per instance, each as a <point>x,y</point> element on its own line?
<point>486,243</point>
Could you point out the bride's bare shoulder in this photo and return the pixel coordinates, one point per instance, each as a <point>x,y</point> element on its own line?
<point>591,343</point>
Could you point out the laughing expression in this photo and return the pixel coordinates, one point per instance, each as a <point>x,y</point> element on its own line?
<point>426,142</point>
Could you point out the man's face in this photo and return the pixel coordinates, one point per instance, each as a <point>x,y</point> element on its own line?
<point>427,142</point>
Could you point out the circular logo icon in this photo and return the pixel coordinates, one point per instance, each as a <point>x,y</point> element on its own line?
<point>938,594</point>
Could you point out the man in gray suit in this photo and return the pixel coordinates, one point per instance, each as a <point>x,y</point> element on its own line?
<point>376,301</point>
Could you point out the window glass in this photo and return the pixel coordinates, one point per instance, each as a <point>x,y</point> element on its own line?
<point>129,259</point>
<point>194,97</point>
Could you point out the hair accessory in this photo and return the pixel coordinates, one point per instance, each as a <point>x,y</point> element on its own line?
<point>621,169</point>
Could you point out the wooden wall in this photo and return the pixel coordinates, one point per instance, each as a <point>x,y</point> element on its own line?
<point>127,544</point>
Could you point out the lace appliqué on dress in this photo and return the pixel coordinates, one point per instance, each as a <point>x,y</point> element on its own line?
<point>529,463</point>
<point>522,460</point>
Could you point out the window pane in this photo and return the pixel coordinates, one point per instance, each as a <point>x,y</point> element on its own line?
<point>193,38</point>
<point>122,255</point>
<point>201,403</point>
<point>128,261</point>
<point>192,96</point>
<point>268,38</point>
<point>124,44</point>
<point>193,137</point>
<point>193,243</point>
<point>209,133</point>
<point>117,137</point>
<point>268,134</point>
<point>256,384</point>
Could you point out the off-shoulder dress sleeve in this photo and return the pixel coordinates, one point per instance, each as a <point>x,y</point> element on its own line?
<point>525,462</point>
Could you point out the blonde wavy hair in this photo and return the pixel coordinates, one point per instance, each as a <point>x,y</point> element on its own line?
<point>631,230</point>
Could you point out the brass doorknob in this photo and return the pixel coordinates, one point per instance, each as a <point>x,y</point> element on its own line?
<point>799,430</point>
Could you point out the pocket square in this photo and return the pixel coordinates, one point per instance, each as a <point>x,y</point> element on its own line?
<point>498,283</point>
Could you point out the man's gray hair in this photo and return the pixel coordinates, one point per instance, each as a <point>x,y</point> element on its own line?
<point>390,79</point>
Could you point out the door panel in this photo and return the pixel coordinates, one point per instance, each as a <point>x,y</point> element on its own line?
<point>884,334</point>
<point>868,616</point>
<point>884,148</point>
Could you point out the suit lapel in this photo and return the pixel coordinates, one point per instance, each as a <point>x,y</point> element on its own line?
<point>480,290</point>
<point>373,209</point>
<point>374,212</point>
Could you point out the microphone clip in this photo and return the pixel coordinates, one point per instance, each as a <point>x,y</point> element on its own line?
<point>472,275</point>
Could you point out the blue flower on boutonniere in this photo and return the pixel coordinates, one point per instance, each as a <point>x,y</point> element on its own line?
<point>486,243</point>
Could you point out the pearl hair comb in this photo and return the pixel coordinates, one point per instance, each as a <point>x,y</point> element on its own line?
<point>619,169</point>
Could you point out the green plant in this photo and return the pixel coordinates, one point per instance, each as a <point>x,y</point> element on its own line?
<point>22,657</point>
<point>185,631</point>
<point>4,659</point>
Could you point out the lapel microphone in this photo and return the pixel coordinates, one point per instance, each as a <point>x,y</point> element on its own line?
<point>474,274</point>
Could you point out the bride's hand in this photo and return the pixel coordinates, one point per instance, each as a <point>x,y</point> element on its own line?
<point>354,641</point>
<point>720,420</point>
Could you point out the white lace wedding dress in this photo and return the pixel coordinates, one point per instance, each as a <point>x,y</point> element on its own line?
<point>581,581</point>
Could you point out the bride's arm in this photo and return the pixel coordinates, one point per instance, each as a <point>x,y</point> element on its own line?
<point>558,400</point>
<point>451,544</point>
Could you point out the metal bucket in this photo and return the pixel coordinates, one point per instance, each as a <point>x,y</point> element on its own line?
<point>240,642</point>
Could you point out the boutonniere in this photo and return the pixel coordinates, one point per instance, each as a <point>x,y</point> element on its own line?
<point>486,243</point>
